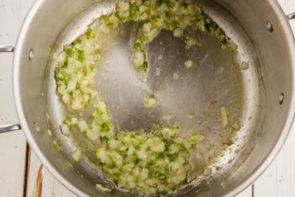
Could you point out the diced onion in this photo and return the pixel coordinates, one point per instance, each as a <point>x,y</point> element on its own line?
<point>224,119</point>
<point>151,163</point>
<point>77,155</point>
<point>65,129</point>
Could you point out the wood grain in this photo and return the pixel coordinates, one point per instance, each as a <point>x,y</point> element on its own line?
<point>39,183</point>
<point>12,145</point>
<point>50,186</point>
<point>277,181</point>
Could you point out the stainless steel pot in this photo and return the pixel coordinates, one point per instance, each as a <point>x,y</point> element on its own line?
<point>267,100</point>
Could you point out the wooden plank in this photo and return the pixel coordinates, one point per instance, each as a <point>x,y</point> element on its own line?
<point>12,145</point>
<point>288,6</point>
<point>50,186</point>
<point>266,185</point>
<point>286,169</point>
<point>12,152</point>
<point>278,179</point>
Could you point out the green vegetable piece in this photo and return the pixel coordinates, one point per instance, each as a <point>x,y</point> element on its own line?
<point>150,102</point>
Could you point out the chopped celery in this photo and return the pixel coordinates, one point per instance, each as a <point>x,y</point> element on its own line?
<point>224,119</point>
<point>189,63</point>
<point>150,102</point>
<point>150,163</point>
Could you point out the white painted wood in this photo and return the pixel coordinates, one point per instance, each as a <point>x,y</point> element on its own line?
<point>277,181</point>
<point>266,185</point>
<point>279,178</point>
<point>51,187</point>
<point>12,164</point>
<point>12,13</point>
<point>288,5</point>
<point>12,145</point>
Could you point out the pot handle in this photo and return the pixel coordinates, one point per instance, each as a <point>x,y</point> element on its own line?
<point>8,127</point>
<point>6,49</point>
<point>291,16</point>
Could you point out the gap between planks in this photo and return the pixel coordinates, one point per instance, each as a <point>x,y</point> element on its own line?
<point>26,169</point>
<point>40,182</point>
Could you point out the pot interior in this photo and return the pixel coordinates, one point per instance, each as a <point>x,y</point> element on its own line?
<point>258,99</point>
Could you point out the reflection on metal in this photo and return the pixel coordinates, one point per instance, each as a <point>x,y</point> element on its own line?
<point>291,16</point>
<point>9,127</point>
<point>6,49</point>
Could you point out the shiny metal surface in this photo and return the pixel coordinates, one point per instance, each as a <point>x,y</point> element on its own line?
<point>6,49</point>
<point>252,97</point>
<point>9,127</point>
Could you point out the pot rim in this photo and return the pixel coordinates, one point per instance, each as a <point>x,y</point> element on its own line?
<point>18,103</point>
<point>290,37</point>
<point>47,163</point>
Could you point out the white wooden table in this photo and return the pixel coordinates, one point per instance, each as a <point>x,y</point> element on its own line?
<point>20,172</point>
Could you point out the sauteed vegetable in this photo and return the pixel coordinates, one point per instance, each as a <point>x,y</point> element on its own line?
<point>146,162</point>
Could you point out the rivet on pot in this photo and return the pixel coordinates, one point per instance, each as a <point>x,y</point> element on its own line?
<point>281,98</point>
<point>269,26</point>
<point>31,54</point>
